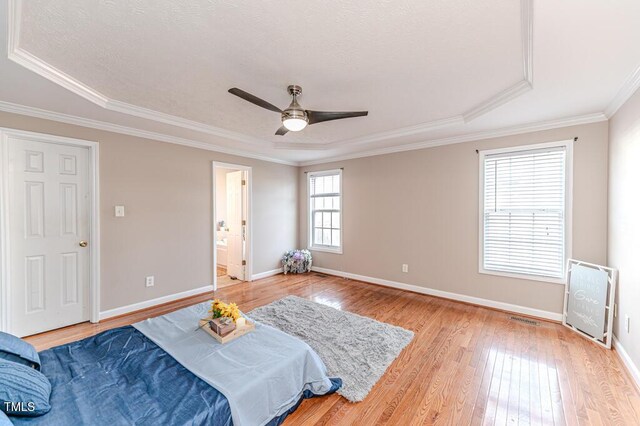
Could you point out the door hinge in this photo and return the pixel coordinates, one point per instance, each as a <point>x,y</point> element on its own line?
<point>244,262</point>
<point>244,182</point>
<point>244,223</point>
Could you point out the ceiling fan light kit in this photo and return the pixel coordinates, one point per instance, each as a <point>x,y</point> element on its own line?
<point>294,124</point>
<point>295,118</point>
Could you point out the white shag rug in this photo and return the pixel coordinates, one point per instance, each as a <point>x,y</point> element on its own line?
<point>354,348</point>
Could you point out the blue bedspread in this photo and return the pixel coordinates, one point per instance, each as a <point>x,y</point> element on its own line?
<point>120,377</point>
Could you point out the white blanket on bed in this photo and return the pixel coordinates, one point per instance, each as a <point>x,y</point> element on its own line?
<point>262,374</point>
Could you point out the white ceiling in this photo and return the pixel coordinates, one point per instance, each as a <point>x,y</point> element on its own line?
<point>429,72</point>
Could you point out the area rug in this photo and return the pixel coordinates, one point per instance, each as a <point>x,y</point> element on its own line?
<point>354,348</point>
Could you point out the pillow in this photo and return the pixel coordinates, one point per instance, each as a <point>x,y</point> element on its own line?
<point>24,391</point>
<point>14,349</point>
<point>4,420</point>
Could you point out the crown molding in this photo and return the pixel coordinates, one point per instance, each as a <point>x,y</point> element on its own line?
<point>51,73</point>
<point>401,132</point>
<point>487,106</point>
<point>14,20</point>
<point>498,100</point>
<point>35,64</point>
<point>631,84</point>
<point>116,128</point>
<point>377,137</point>
<point>172,120</point>
<point>526,21</point>
<point>524,85</point>
<point>57,76</point>
<point>470,137</point>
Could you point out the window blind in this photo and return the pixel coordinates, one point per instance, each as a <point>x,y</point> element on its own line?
<point>524,212</point>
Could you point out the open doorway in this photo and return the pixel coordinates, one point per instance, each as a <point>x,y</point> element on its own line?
<point>231,220</point>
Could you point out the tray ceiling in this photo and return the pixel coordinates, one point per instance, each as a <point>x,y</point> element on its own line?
<point>406,62</point>
<point>424,70</point>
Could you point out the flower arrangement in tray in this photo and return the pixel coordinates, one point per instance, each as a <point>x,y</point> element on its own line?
<point>225,322</point>
<point>297,261</point>
<point>220,309</point>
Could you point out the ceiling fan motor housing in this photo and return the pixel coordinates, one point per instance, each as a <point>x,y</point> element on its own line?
<point>294,110</point>
<point>294,90</point>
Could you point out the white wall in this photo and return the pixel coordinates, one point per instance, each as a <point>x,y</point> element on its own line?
<point>624,220</point>
<point>221,194</point>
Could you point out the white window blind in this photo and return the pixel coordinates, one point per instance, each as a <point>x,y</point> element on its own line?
<point>325,199</point>
<point>524,212</point>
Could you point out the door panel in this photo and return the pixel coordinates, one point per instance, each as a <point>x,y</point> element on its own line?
<point>68,209</point>
<point>34,209</point>
<point>34,283</point>
<point>235,252</point>
<point>49,196</point>
<point>69,278</point>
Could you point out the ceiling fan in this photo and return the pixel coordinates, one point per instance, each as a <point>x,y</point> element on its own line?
<point>295,118</point>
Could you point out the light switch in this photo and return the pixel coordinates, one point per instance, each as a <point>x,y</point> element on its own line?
<point>119,211</point>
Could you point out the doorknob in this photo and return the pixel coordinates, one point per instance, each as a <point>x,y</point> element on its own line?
<point>83,243</point>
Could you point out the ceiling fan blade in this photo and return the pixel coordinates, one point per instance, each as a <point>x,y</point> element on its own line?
<point>281,131</point>
<point>254,99</point>
<point>320,116</point>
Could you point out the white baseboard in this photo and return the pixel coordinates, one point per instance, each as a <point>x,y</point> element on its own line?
<point>627,361</point>
<point>447,295</point>
<point>266,274</point>
<point>153,302</point>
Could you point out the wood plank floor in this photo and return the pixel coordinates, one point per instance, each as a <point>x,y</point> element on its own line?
<point>466,364</point>
<point>221,270</point>
<point>226,281</point>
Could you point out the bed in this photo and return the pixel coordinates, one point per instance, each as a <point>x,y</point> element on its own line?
<point>122,376</point>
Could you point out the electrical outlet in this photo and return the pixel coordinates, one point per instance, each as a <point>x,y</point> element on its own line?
<point>405,267</point>
<point>626,323</point>
<point>149,281</point>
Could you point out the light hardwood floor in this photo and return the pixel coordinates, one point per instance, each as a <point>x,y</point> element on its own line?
<point>466,364</point>
<point>221,270</point>
<point>226,281</point>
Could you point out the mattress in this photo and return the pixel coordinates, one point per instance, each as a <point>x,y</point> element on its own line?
<point>120,377</point>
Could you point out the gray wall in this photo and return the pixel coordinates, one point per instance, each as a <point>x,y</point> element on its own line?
<point>417,207</point>
<point>421,208</point>
<point>624,220</point>
<point>167,231</point>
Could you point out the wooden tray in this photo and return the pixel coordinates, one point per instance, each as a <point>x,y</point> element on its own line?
<point>239,331</point>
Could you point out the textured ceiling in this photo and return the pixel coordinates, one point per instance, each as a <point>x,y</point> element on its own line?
<point>407,62</point>
<point>161,69</point>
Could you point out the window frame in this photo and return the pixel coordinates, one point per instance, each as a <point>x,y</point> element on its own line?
<point>310,244</point>
<point>568,208</point>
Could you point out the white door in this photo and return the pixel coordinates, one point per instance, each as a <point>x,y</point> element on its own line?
<point>48,222</point>
<point>235,240</point>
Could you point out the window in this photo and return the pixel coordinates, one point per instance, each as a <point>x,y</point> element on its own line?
<point>524,209</point>
<point>325,210</point>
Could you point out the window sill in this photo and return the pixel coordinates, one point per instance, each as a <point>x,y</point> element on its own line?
<point>336,250</point>
<point>551,280</point>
